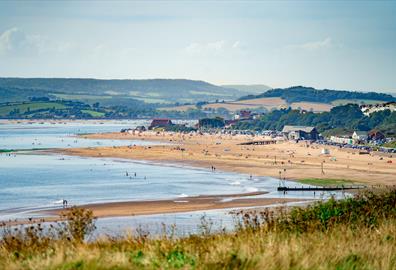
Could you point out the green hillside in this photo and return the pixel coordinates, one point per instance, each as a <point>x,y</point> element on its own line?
<point>112,92</point>
<point>309,94</point>
<point>249,88</point>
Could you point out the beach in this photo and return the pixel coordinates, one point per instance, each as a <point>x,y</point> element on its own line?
<point>286,159</point>
<point>179,205</point>
<point>153,207</point>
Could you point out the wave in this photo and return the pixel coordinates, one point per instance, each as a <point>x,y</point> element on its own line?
<point>58,202</point>
<point>235,183</point>
<point>251,189</point>
<point>182,195</point>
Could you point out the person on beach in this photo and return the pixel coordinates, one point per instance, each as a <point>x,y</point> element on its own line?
<point>64,203</point>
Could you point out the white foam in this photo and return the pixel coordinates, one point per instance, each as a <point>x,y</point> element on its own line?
<point>58,202</point>
<point>182,195</point>
<point>251,189</point>
<point>235,183</point>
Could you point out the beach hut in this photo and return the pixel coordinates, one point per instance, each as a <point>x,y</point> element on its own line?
<point>325,151</point>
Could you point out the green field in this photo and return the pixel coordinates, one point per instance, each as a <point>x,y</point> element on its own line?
<point>6,109</point>
<point>81,97</point>
<point>94,113</point>
<point>325,182</point>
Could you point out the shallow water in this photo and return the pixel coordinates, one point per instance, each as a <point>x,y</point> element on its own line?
<point>31,181</point>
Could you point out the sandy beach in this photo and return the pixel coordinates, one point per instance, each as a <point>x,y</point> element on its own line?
<point>152,207</point>
<point>293,161</point>
<point>179,205</point>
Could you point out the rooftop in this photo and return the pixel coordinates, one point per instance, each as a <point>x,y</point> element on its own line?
<point>298,128</point>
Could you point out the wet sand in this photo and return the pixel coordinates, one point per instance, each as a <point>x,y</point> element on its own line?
<point>293,161</point>
<point>178,205</point>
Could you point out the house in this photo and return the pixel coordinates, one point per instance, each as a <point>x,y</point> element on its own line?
<point>300,133</point>
<point>371,108</point>
<point>243,115</point>
<point>341,139</point>
<point>360,136</point>
<point>160,123</point>
<point>376,135</point>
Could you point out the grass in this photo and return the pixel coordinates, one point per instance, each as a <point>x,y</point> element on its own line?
<point>354,233</point>
<point>390,144</point>
<point>94,113</point>
<point>325,181</point>
<point>339,102</point>
<point>6,109</point>
<point>82,97</point>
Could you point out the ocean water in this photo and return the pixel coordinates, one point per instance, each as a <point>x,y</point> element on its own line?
<point>31,180</point>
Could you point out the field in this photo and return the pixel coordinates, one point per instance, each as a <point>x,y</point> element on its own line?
<point>93,113</point>
<point>268,103</point>
<point>88,98</point>
<point>6,109</point>
<point>182,108</point>
<point>312,106</point>
<point>355,101</point>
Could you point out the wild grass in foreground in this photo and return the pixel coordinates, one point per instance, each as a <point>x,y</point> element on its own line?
<point>354,233</point>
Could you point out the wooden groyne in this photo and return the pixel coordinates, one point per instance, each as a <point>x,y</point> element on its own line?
<point>316,188</point>
<point>258,142</point>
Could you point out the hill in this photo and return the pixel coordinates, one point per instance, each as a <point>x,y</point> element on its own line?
<point>249,88</point>
<point>309,94</point>
<point>112,92</point>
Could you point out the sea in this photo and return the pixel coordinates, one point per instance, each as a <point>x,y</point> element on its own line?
<point>32,180</point>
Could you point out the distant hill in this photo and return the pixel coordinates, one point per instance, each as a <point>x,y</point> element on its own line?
<point>309,94</point>
<point>115,91</point>
<point>249,88</point>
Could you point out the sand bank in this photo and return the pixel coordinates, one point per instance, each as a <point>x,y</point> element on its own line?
<point>179,205</point>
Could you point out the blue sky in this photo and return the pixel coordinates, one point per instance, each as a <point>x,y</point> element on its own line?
<point>342,45</point>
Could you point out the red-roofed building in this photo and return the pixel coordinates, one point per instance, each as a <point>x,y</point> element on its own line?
<point>160,122</point>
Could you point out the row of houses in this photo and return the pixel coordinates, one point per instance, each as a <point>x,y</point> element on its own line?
<point>359,137</point>
<point>368,109</point>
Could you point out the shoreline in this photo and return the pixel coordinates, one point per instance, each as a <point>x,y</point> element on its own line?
<point>166,206</point>
<point>292,161</point>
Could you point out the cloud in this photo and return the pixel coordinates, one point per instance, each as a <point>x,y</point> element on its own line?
<point>314,45</point>
<point>15,42</point>
<point>215,47</point>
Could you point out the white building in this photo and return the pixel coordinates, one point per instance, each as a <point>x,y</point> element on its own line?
<point>360,136</point>
<point>341,139</point>
<point>371,108</point>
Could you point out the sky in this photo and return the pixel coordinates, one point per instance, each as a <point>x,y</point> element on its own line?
<point>336,45</point>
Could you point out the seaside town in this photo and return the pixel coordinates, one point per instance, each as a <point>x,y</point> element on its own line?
<point>197,135</point>
<point>358,139</point>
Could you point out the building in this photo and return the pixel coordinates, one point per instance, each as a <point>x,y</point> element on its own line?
<point>371,108</point>
<point>376,135</point>
<point>243,115</point>
<point>160,123</point>
<point>300,133</point>
<point>360,136</point>
<point>341,139</point>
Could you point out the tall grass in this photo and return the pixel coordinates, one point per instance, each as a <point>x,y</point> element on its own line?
<point>354,233</point>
